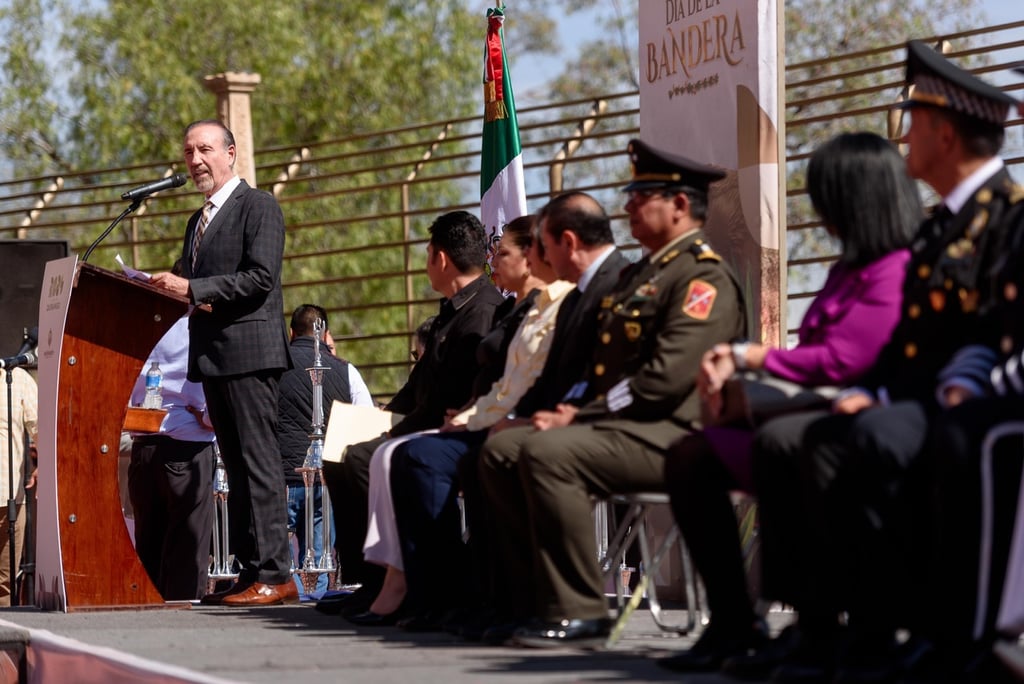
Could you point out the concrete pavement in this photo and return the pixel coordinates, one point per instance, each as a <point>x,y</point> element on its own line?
<point>298,645</point>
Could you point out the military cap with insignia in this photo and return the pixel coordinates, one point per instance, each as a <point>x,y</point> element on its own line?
<point>653,169</point>
<point>940,83</point>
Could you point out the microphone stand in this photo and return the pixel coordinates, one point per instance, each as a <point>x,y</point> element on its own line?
<point>12,511</point>
<point>12,508</point>
<point>131,207</point>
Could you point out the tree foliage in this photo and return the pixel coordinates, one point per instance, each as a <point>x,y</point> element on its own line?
<point>108,83</point>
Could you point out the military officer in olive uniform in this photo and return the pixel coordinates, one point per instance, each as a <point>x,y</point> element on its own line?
<point>844,493</point>
<point>611,432</point>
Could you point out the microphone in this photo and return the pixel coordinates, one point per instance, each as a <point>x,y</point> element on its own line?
<point>29,358</point>
<point>27,355</point>
<point>174,181</point>
<point>30,339</point>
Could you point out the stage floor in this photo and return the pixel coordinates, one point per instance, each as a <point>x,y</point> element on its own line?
<point>296,644</point>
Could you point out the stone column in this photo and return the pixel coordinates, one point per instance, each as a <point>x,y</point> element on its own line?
<point>233,91</point>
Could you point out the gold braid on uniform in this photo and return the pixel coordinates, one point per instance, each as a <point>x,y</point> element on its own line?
<point>1016,193</point>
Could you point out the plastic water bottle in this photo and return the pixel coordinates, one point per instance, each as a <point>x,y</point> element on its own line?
<point>154,387</point>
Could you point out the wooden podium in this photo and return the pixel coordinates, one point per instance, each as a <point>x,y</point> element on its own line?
<point>97,328</point>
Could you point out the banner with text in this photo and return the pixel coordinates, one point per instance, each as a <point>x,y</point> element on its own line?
<point>710,89</point>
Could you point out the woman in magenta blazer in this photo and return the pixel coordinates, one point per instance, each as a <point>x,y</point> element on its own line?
<point>859,187</point>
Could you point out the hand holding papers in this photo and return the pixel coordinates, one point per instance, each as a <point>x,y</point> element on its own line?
<point>131,272</point>
<point>354,424</point>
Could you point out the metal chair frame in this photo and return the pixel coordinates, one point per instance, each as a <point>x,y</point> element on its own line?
<point>632,528</point>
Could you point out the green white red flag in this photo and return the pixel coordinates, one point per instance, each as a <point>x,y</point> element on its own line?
<point>502,186</point>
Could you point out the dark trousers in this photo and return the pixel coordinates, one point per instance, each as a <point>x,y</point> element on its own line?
<point>243,409</point>
<point>170,485</point>
<point>348,483</point>
<point>425,483</point>
<point>699,486</point>
<point>840,497</point>
<point>956,561</point>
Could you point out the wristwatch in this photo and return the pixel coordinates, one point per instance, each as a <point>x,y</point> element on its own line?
<point>739,354</point>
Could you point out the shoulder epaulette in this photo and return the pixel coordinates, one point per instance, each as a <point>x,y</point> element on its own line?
<point>703,251</point>
<point>1016,193</point>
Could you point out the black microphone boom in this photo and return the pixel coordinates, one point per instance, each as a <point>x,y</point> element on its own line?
<point>135,196</point>
<point>173,181</point>
<point>31,339</point>
<point>27,359</point>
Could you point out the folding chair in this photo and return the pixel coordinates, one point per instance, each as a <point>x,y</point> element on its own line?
<point>633,528</point>
<point>1011,612</point>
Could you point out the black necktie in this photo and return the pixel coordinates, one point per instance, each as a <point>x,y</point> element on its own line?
<point>941,220</point>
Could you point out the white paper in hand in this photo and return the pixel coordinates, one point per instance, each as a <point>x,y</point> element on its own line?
<point>354,424</point>
<point>131,272</point>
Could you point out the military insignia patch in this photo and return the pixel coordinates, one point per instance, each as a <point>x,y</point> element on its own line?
<point>633,330</point>
<point>700,298</point>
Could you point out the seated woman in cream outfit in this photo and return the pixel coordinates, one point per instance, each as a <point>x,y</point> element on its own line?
<point>518,266</point>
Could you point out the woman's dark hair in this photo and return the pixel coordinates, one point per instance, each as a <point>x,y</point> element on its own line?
<point>519,231</point>
<point>859,186</point>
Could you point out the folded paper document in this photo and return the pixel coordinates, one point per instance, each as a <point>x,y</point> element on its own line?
<point>354,424</point>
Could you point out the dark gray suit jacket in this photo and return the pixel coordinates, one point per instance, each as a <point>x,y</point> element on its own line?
<point>238,273</point>
<point>575,338</point>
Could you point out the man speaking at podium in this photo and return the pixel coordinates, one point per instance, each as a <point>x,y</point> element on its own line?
<point>238,350</point>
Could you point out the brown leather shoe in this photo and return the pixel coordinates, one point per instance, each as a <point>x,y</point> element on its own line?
<point>259,594</point>
<point>217,597</point>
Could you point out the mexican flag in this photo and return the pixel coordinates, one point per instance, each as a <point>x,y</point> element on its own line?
<point>502,187</point>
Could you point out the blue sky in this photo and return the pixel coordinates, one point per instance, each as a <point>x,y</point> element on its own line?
<point>529,73</point>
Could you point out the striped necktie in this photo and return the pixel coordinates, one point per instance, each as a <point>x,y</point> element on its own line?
<point>204,221</point>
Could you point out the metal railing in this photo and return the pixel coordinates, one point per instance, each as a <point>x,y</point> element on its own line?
<point>357,208</point>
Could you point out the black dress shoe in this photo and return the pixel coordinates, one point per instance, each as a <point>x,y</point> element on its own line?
<point>370,619</point>
<point>813,658</point>
<point>568,632</point>
<point>499,633</point>
<point>426,621</point>
<point>333,605</point>
<point>761,662</point>
<point>715,645</point>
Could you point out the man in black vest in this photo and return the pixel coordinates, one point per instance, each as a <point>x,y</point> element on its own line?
<point>341,382</point>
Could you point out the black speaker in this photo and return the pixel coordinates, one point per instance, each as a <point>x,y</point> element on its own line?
<point>22,263</point>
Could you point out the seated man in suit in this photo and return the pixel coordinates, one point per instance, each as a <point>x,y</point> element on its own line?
<point>611,432</point>
<point>442,379</point>
<point>426,473</point>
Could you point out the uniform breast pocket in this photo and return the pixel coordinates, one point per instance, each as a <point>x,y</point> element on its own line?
<point>635,318</point>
